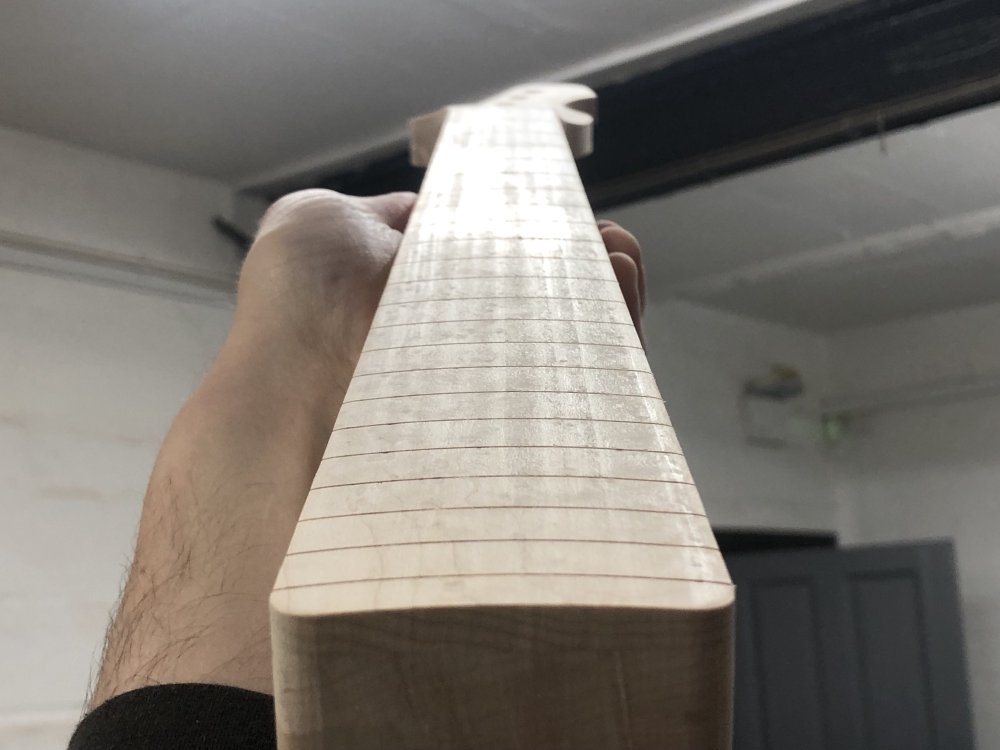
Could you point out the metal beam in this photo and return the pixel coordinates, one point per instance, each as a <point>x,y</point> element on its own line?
<point>831,77</point>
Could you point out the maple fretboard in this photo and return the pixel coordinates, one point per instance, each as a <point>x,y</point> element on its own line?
<point>503,449</point>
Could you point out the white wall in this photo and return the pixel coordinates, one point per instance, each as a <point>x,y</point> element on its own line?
<point>90,376</point>
<point>701,359</point>
<point>910,472</point>
<point>932,469</point>
<point>63,194</point>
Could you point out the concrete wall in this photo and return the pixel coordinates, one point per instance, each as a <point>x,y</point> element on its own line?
<point>90,376</point>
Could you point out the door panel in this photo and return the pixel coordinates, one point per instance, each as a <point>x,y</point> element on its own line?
<point>787,667</point>
<point>853,649</point>
<point>894,678</point>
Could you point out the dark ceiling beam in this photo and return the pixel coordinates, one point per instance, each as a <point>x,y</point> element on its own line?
<point>855,71</point>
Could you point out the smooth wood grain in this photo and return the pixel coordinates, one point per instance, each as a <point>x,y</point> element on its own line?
<point>503,547</point>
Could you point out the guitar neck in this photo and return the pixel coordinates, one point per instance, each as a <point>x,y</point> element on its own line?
<point>502,448</point>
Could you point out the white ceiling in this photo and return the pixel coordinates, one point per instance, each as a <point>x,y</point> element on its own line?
<point>246,89</point>
<point>872,231</point>
<point>252,90</point>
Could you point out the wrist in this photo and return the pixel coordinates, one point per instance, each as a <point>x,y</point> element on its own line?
<point>221,506</point>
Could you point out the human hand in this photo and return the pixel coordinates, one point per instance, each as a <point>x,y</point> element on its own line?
<point>626,260</point>
<point>312,281</point>
<point>314,275</point>
<point>233,472</point>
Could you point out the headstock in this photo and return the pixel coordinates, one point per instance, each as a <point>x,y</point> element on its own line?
<point>574,104</point>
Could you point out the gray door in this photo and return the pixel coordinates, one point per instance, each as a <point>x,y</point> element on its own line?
<point>853,649</point>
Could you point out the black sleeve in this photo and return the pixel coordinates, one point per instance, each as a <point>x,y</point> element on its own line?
<point>180,717</point>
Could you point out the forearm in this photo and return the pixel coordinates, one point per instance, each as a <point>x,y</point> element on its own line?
<point>222,502</point>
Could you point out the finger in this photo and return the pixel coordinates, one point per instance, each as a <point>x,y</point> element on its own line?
<point>618,240</point>
<point>627,274</point>
<point>392,208</point>
<point>296,206</point>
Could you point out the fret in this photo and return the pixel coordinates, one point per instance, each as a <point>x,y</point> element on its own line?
<point>502,456</point>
